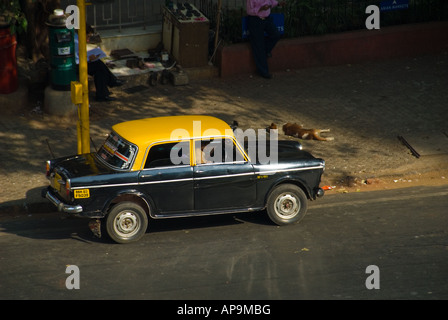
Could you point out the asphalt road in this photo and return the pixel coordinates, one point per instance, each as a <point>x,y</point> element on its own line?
<point>403,233</point>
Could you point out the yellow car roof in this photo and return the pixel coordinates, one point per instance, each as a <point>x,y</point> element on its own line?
<point>143,132</point>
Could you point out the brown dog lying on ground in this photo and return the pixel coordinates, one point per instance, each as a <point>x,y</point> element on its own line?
<point>295,130</point>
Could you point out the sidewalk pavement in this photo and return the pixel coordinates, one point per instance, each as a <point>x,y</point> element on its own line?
<point>366,107</point>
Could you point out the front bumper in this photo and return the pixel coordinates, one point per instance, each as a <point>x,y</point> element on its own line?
<point>63,207</point>
<point>320,192</point>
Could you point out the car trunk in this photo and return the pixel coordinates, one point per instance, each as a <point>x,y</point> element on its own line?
<point>61,172</point>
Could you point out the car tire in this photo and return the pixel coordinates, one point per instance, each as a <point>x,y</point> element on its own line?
<point>286,204</point>
<point>126,222</point>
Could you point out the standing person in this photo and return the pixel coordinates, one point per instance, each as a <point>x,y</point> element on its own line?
<point>259,22</point>
<point>102,76</point>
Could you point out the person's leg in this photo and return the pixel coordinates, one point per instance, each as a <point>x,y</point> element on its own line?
<point>273,35</point>
<point>101,78</point>
<point>257,41</point>
<point>112,80</point>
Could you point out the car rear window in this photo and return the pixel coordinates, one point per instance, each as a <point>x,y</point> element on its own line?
<point>117,152</point>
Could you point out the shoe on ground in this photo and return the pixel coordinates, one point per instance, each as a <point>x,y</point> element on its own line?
<point>266,75</point>
<point>106,99</point>
<point>117,83</point>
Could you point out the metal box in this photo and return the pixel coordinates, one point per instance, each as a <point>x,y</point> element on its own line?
<point>76,92</point>
<point>185,35</point>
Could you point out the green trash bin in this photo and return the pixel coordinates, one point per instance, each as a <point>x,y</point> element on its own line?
<point>62,52</point>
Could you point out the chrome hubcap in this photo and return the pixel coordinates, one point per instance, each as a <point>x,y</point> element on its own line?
<point>287,206</point>
<point>127,224</point>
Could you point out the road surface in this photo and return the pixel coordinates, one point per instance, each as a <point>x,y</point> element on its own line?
<point>402,234</point>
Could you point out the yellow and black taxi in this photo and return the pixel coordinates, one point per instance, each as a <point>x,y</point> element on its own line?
<point>179,166</point>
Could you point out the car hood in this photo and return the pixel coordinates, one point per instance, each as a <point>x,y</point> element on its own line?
<point>80,166</point>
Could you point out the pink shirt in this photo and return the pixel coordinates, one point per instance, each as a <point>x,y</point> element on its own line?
<point>253,7</point>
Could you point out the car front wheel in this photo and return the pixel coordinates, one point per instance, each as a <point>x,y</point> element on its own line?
<point>126,222</point>
<point>286,204</point>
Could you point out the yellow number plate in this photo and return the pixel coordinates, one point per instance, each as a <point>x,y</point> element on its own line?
<point>82,193</point>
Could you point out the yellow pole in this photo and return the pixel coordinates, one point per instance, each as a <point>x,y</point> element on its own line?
<point>78,130</point>
<point>83,121</point>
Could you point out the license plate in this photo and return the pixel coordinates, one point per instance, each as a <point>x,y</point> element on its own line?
<point>81,193</point>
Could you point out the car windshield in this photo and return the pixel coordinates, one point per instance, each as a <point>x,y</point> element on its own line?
<point>117,152</point>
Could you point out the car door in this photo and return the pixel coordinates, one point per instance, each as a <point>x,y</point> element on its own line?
<point>223,178</point>
<point>167,177</point>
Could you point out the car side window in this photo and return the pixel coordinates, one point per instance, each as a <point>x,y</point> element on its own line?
<point>217,150</point>
<point>168,154</point>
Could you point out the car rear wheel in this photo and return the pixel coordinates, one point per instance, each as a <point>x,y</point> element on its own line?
<point>126,222</point>
<point>286,204</point>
